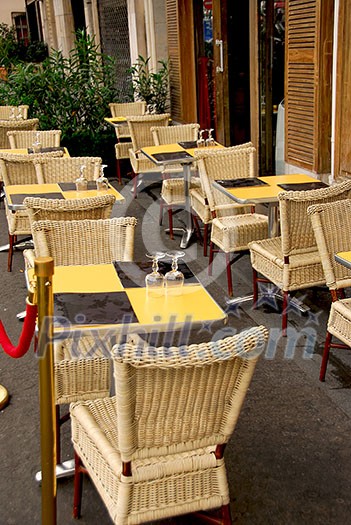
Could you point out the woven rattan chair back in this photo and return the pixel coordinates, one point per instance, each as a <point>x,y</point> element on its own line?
<point>66,169</point>
<point>331,224</point>
<point>24,139</point>
<point>12,125</point>
<point>20,169</point>
<point>172,134</point>
<point>296,228</point>
<point>99,207</point>
<point>20,112</point>
<point>126,109</point>
<point>227,163</point>
<point>85,241</point>
<point>140,129</point>
<point>203,387</point>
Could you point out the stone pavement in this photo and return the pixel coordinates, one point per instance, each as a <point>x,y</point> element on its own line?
<point>289,458</point>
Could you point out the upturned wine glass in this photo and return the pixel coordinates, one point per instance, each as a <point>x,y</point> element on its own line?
<point>174,279</point>
<point>154,281</point>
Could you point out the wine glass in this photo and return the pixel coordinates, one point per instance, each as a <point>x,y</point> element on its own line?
<point>210,140</point>
<point>102,181</point>
<point>200,141</point>
<point>154,281</point>
<point>174,279</point>
<point>19,114</point>
<point>81,182</point>
<point>36,146</point>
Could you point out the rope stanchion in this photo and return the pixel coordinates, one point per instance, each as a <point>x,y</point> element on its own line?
<point>26,336</point>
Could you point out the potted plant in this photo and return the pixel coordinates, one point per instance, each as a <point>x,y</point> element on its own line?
<point>152,87</point>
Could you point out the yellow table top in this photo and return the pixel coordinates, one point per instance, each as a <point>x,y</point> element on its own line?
<point>115,120</point>
<point>269,193</point>
<point>173,148</point>
<point>170,310</point>
<point>44,189</point>
<point>344,258</point>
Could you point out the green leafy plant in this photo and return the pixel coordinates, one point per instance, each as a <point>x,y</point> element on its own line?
<point>69,93</point>
<point>152,87</point>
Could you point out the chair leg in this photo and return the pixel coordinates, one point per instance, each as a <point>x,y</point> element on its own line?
<point>12,240</point>
<point>135,184</point>
<point>254,288</point>
<point>325,357</point>
<point>160,219</point>
<point>197,227</point>
<point>170,222</point>
<point>118,171</point>
<point>285,312</point>
<point>210,262</point>
<point>229,274</point>
<point>78,486</point>
<point>205,239</point>
<point>226,515</point>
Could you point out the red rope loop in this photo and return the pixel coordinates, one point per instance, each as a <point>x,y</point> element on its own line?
<point>26,336</point>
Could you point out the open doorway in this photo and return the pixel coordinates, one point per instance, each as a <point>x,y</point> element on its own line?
<point>271,81</point>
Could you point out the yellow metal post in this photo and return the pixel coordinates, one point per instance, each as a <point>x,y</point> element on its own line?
<point>44,269</point>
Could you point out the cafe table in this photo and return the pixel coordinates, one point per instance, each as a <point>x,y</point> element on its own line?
<point>265,190</point>
<point>16,193</point>
<point>168,154</point>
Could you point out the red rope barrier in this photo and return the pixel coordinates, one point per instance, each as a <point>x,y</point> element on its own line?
<point>26,336</point>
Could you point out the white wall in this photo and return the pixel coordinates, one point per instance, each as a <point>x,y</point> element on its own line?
<point>10,6</point>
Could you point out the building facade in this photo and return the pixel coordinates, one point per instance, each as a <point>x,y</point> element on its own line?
<point>273,72</point>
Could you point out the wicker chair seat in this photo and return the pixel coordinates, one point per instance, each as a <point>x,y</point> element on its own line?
<point>235,232</point>
<point>339,322</point>
<point>303,271</point>
<point>157,486</point>
<point>18,222</point>
<point>141,164</point>
<point>200,205</point>
<point>122,150</point>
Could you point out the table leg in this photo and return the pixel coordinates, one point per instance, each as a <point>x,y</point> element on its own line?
<point>189,230</point>
<point>63,470</point>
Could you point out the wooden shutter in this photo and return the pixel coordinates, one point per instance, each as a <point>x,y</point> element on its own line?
<point>181,52</point>
<point>342,165</point>
<point>309,29</point>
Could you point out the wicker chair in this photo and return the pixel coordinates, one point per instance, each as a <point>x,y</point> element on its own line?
<point>18,169</point>
<point>199,203</point>
<point>9,125</point>
<point>82,369</point>
<point>66,169</point>
<point>332,227</point>
<point>24,139</point>
<point>124,142</point>
<point>172,192</point>
<point>20,112</point>
<point>139,128</point>
<point>232,227</point>
<point>292,261</point>
<point>155,450</point>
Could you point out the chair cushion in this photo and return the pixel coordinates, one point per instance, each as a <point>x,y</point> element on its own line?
<point>304,270</point>
<point>233,233</point>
